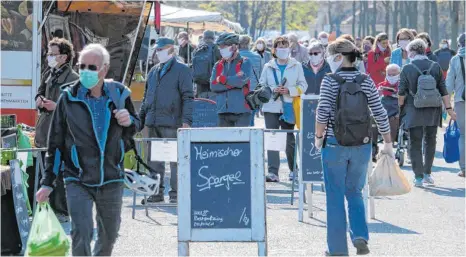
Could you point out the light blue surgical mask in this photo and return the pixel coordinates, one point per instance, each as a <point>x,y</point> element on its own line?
<point>88,78</point>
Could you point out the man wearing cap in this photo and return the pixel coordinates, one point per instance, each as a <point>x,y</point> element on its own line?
<point>231,81</point>
<point>186,49</point>
<point>166,106</point>
<point>206,53</point>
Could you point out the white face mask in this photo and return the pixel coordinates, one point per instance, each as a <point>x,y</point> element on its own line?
<point>324,41</point>
<point>163,55</point>
<point>226,52</point>
<point>403,44</point>
<point>282,53</point>
<point>393,79</point>
<point>316,59</point>
<point>260,46</point>
<point>52,61</point>
<point>443,46</point>
<point>381,48</point>
<point>334,65</point>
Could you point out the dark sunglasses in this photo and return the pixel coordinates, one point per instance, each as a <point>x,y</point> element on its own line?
<point>314,54</point>
<point>90,67</point>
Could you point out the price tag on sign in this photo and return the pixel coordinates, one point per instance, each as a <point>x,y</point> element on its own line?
<point>275,141</point>
<point>164,151</point>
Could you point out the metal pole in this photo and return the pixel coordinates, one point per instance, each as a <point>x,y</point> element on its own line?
<point>189,52</point>
<point>283,18</point>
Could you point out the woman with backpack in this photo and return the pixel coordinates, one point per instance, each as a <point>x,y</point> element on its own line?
<point>285,76</point>
<point>344,125</point>
<point>455,84</point>
<point>422,108</point>
<point>378,58</point>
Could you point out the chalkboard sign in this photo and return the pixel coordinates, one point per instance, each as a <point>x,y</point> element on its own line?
<point>204,113</point>
<point>21,210</point>
<point>220,185</point>
<point>311,161</point>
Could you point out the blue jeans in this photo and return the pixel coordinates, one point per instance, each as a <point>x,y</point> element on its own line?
<point>253,115</point>
<point>345,171</point>
<point>108,201</point>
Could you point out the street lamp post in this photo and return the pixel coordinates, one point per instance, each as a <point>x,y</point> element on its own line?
<point>283,18</point>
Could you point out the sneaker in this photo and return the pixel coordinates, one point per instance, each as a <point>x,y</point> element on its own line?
<point>62,218</point>
<point>153,199</point>
<point>428,179</point>
<point>173,199</point>
<point>361,246</point>
<point>461,174</point>
<point>272,178</point>
<point>418,182</point>
<point>290,176</point>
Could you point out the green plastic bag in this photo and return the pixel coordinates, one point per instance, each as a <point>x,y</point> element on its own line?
<point>130,159</point>
<point>47,237</point>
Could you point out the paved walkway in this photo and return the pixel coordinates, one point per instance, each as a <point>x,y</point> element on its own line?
<point>429,221</point>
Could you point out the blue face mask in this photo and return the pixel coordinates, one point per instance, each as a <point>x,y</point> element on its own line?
<point>88,78</point>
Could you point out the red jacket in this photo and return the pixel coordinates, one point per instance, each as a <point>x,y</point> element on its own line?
<point>387,89</point>
<point>376,64</point>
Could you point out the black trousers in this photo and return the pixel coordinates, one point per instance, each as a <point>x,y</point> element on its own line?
<point>422,161</point>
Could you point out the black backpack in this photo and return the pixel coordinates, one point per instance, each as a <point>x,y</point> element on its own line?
<point>203,62</point>
<point>352,116</point>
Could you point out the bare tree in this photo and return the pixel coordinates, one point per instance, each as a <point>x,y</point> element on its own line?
<point>413,14</point>
<point>243,16</point>
<point>360,32</point>
<point>386,6</point>
<point>329,14</point>
<point>454,19</point>
<point>374,17</point>
<point>427,17</point>
<point>434,35</point>
<point>353,22</point>
<point>395,19</point>
<point>403,14</point>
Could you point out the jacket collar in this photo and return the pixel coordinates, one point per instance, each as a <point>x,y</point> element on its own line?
<point>64,71</point>
<point>324,65</point>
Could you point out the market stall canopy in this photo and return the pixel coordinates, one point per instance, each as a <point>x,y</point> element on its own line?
<point>198,19</point>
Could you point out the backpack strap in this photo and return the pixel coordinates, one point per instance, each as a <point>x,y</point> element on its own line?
<point>417,68</point>
<point>431,66</point>
<point>359,79</point>
<point>275,76</point>
<point>339,79</point>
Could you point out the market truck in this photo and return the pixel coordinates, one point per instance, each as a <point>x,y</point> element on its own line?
<point>28,26</point>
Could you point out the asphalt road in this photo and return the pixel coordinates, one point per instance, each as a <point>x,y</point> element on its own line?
<point>428,221</point>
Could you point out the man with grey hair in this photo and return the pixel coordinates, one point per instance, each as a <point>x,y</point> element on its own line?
<point>92,128</point>
<point>422,123</point>
<point>255,59</point>
<point>455,84</point>
<point>298,51</point>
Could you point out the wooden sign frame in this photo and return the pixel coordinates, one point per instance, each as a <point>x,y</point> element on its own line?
<point>258,231</point>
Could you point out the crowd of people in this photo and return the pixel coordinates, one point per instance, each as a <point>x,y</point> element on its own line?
<point>367,87</point>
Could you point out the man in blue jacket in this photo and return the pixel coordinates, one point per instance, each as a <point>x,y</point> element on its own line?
<point>92,128</point>
<point>167,106</point>
<point>230,80</point>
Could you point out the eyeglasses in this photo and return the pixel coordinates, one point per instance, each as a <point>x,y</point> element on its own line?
<point>315,53</point>
<point>90,67</point>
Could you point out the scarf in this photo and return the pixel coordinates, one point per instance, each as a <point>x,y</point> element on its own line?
<point>419,57</point>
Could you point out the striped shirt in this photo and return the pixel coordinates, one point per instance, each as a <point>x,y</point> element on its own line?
<point>328,95</point>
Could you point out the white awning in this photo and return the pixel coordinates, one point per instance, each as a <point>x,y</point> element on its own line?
<point>197,19</point>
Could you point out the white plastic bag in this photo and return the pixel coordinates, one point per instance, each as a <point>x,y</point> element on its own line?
<point>387,179</point>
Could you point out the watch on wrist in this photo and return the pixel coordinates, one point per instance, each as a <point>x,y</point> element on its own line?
<point>449,108</point>
<point>319,137</point>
